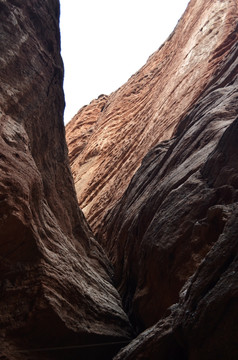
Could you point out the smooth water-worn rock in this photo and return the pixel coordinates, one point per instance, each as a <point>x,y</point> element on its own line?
<point>203,324</point>
<point>203,212</point>
<point>178,202</point>
<point>148,107</point>
<point>55,284</point>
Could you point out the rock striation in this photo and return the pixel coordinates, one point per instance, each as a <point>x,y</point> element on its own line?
<point>81,128</point>
<point>55,280</point>
<point>175,229</point>
<point>171,236</point>
<point>203,323</point>
<point>172,214</point>
<point>147,109</point>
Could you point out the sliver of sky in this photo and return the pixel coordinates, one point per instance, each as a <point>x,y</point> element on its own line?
<point>103,43</point>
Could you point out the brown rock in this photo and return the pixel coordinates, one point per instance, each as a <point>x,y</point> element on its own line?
<point>55,281</point>
<point>177,204</point>
<point>203,324</point>
<point>149,106</point>
<point>82,126</point>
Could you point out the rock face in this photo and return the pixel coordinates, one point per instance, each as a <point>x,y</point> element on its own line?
<point>175,207</point>
<point>55,285</point>
<point>171,236</point>
<point>79,131</point>
<point>180,214</point>
<point>148,107</point>
<point>203,324</point>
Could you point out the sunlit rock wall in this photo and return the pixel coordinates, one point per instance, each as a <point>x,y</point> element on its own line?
<point>148,107</point>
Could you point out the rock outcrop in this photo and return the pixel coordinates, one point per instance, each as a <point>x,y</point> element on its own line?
<point>55,284</point>
<point>148,107</point>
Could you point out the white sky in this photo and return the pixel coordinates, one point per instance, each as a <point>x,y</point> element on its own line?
<point>104,42</point>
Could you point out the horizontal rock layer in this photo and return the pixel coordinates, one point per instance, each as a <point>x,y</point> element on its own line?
<point>108,139</point>
<point>55,280</point>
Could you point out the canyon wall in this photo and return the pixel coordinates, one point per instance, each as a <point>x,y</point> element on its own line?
<point>156,172</point>
<point>170,230</point>
<point>175,229</point>
<point>55,280</point>
<point>178,206</point>
<point>146,110</point>
<point>202,325</point>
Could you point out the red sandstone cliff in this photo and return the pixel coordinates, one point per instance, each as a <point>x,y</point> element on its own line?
<point>178,206</point>
<point>55,285</point>
<point>172,235</point>
<point>148,107</point>
<point>175,229</point>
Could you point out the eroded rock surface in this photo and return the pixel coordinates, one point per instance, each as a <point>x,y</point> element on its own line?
<point>55,285</point>
<point>203,324</point>
<point>178,202</point>
<point>81,127</point>
<point>148,107</point>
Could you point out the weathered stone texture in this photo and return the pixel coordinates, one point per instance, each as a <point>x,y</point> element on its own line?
<point>194,224</point>
<point>203,324</point>
<point>171,236</point>
<point>177,204</point>
<point>149,106</point>
<point>55,286</point>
